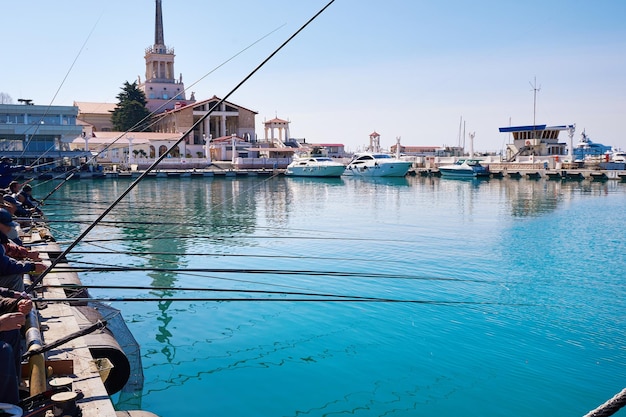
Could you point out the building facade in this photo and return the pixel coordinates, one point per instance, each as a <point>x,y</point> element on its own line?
<point>30,132</point>
<point>98,115</point>
<point>226,120</point>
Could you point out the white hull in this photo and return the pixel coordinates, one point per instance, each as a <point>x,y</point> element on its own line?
<point>376,165</point>
<point>313,167</point>
<point>464,168</point>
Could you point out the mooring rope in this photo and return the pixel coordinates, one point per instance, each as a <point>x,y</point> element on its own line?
<point>610,407</point>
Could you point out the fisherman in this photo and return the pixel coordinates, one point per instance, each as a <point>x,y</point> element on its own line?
<point>14,207</point>
<point>11,270</point>
<point>7,170</point>
<point>11,205</point>
<point>13,188</point>
<point>25,197</point>
<point>15,251</point>
<point>14,306</point>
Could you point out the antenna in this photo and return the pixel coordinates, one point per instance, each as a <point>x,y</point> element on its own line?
<point>535,90</point>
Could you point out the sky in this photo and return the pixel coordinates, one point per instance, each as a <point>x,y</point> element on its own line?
<point>403,68</point>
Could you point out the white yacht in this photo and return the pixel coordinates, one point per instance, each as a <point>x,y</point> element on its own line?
<point>370,164</point>
<point>315,166</point>
<point>464,168</point>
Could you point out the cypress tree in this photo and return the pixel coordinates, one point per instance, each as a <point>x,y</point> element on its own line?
<point>130,109</point>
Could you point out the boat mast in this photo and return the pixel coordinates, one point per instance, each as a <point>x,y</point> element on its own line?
<point>535,90</point>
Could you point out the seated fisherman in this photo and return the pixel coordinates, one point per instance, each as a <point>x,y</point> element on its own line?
<point>11,270</point>
<point>13,309</point>
<point>25,197</point>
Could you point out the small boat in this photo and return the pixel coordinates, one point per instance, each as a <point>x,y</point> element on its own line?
<point>464,168</point>
<point>369,164</point>
<point>315,166</point>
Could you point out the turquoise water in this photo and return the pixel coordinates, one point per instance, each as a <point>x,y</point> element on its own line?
<point>517,288</point>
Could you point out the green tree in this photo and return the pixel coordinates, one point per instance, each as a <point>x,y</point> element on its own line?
<point>130,110</point>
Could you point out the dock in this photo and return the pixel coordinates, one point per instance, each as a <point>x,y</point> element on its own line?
<point>84,364</point>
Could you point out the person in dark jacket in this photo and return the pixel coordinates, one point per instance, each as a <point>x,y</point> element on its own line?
<point>7,170</point>
<point>14,306</point>
<point>25,197</point>
<point>11,270</point>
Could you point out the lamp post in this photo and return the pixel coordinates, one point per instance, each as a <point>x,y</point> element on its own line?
<point>207,148</point>
<point>234,146</point>
<point>130,149</point>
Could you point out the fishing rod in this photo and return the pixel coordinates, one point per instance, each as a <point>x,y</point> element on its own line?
<point>289,300</point>
<point>201,289</point>
<point>55,189</point>
<point>231,255</point>
<point>39,278</point>
<point>41,165</point>
<point>227,237</point>
<point>259,272</point>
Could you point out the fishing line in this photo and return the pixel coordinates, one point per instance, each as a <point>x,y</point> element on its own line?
<point>59,89</point>
<point>39,278</point>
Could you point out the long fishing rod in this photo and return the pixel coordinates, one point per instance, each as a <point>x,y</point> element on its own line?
<point>44,164</point>
<point>232,255</point>
<point>259,272</point>
<point>197,289</point>
<point>305,300</point>
<point>231,236</point>
<point>38,279</point>
<point>55,189</point>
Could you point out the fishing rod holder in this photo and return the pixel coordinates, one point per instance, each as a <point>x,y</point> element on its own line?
<point>64,404</point>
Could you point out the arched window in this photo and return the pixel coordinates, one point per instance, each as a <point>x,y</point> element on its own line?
<point>162,149</point>
<point>152,151</point>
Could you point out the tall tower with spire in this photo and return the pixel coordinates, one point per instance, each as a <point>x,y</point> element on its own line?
<point>162,89</point>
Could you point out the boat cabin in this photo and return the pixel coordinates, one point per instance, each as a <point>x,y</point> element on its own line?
<point>535,140</point>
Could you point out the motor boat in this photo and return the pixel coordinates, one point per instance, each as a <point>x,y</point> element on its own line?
<point>370,164</point>
<point>464,168</point>
<point>315,166</point>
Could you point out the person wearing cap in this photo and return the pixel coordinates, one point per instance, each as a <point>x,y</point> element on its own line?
<point>12,270</point>
<point>14,306</point>
<point>12,244</point>
<point>7,170</point>
<point>14,207</point>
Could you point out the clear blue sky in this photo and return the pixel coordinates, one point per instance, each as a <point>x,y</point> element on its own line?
<point>401,67</point>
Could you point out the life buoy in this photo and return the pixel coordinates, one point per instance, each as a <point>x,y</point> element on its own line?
<point>527,143</point>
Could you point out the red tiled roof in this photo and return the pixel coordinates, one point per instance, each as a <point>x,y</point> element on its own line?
<point>276,120</point>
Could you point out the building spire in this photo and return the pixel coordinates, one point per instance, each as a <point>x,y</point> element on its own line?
<point>159,39</point>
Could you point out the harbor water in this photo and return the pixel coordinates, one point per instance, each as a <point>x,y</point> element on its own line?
<point>513,289</point>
